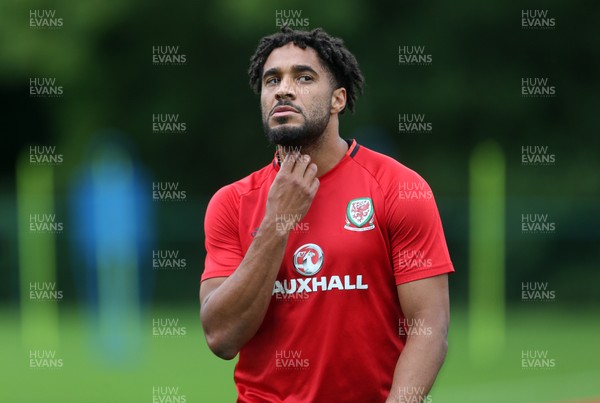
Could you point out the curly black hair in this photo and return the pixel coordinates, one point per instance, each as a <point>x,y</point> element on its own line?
<point>339,61</point>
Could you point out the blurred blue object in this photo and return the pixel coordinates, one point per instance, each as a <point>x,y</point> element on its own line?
<point>111,237</point>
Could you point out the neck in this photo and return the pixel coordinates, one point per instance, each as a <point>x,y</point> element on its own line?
<point>326,153</point>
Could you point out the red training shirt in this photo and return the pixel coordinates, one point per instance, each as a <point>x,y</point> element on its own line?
<point>334,329</point>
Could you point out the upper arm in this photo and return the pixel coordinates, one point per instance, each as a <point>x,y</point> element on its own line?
<point>428,294</point>
<point>208,286</point>
<point>426,299</point>
<point>222,241</point>
<point>417,243</point>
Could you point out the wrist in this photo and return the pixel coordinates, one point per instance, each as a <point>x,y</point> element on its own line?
<point>269,227</point>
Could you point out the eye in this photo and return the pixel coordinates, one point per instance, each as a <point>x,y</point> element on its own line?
<point>272,81</point>
<point>305,79</point>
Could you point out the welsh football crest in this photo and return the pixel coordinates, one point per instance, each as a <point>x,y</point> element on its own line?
<point>360,215</point>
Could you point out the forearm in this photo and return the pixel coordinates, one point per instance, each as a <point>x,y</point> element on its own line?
<point>418,366</point>
<point>233,312</point>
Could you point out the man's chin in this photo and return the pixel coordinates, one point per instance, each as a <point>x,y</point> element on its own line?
<point>294,134</point>
<point>287,135</point>
<point>287,127</point>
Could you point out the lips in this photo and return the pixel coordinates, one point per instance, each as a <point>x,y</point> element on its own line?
<point>284,109</point>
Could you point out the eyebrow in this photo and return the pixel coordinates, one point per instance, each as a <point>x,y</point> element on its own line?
<point>296,68</point>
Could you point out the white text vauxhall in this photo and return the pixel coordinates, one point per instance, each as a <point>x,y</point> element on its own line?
<point>323,283</point>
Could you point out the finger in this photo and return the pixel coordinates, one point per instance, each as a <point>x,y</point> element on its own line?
<point>311,172</point>
<point>314,186</point>
<point>302,161</point>
<point>288,162</point>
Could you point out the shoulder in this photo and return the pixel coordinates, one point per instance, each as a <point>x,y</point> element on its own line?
<point>225,203</point>
<point>233,192</point>
<point>385,170</point>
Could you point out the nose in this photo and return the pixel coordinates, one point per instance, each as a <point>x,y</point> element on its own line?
<point>286,90</point>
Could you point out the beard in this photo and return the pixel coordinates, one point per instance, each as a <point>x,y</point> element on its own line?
<point>305,136</point>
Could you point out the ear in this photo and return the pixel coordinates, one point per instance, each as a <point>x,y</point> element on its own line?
<point>338,100</point>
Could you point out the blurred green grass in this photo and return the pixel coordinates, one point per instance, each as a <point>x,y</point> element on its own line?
<point>571,338</point>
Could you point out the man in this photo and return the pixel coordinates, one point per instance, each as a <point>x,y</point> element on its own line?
<point>327,269</point>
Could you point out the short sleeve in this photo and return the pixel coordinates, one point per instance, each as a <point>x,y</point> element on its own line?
<point>417,239</point>
<point>222,241</point>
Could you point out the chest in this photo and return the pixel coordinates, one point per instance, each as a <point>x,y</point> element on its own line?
<point>343,233</point>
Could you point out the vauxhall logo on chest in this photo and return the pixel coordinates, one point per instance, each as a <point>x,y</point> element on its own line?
<point>308,261</point>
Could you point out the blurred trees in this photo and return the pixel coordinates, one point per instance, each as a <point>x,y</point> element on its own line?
<point>470,92</point>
